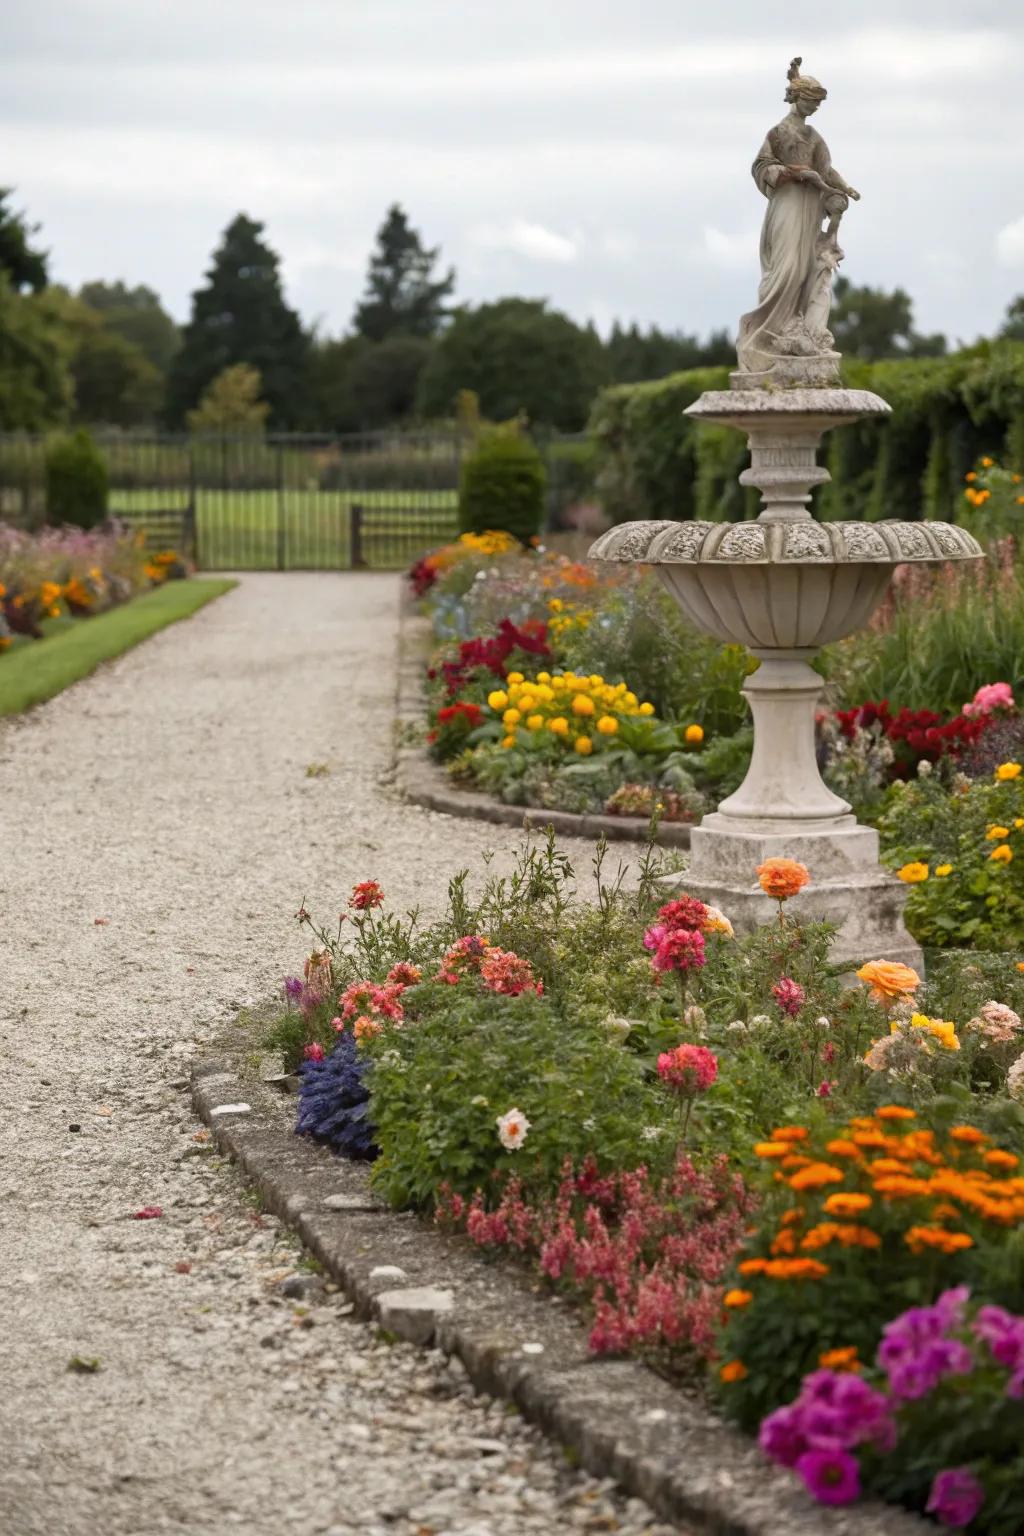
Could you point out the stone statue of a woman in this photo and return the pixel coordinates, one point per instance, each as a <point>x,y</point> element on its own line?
<point>785,341</point>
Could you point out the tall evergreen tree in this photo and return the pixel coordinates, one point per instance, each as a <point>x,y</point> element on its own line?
<point>402,296</point>
<point>240,316</point>
<point>25,266</point>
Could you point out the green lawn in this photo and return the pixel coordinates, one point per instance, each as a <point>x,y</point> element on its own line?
<point>39,669</point>
<point>304,529</point>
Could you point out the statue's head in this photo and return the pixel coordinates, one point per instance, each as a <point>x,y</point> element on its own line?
<point>804,92</point>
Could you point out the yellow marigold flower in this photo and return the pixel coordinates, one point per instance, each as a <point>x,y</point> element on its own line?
<point>971,475</point>
<point>1008,771</point>
<point>498,699</point>
<point>596,680</point>
<point>514,677</point>
<point>559,725</point>
<point>511,717</point>
<point>735,1370</point>
<point>1002,855</point>
<point>608,725</point>
<point>534,722</point>
<point>987,463</point>
<point>584,746</point>
<point>738,1298</point>
<point>842,1204</point>
<point>581,705</point>
<point>942,870</point>
<point>646,709</point>
<point>694,734</point>
<point>840,1359</point>
<point>510,740</point>
<point>913,873</point>
<point>995,834</point>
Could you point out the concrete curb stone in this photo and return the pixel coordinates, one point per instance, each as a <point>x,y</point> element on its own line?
<point>515,1340</point>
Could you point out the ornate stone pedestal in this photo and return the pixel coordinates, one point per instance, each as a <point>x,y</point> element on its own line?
<point>784,586</point>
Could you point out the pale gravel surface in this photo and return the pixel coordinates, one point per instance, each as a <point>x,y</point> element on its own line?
<point>168,794</point>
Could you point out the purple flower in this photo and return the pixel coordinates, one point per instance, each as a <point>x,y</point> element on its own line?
<point>830,1475</point>
<point>293,987</point>
<point>782,1435</point>
<point>956,1496</point>
<point>1004,1335</point>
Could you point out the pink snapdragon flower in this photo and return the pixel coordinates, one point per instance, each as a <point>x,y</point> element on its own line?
<point>989,697</point>
<point>789,995</point>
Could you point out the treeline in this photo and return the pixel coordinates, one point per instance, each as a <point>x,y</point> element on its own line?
<point>110,354</point>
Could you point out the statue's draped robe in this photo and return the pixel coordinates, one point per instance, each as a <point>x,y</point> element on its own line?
<point>789,241</point>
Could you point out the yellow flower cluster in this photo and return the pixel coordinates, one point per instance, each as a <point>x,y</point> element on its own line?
<point>494,541</point>
<point>563,616</point>
<point>574,710</point>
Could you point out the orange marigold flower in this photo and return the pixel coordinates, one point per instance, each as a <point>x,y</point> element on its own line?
<point>840,1359</point>
<point>794,1214</point>
<point>968,1134</point>
<point>795,1160</point>
<point>795,1269</point>
<point>900,1188</point>
<point>997,1158</point>
<point>782,878</point>
<point>841,1147</point>
<point>790,1133</point>
<point>815,1176</point>
<point>895,1112</point>
<point>735,1370</point>
<point>842,1204</point>
<point>737,1298</point>
<point>771,1149</point>
<point>870,1139</point>
<point>752,1266</point>
<point>784,1241</point>
<point>920,1238</point>
<point>888,1165</point>
<point>889,979</point>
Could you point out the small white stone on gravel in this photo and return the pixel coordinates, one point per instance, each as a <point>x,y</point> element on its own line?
<point>389,1274</point>
<point>412,1313</point>
<point>232,1109</point>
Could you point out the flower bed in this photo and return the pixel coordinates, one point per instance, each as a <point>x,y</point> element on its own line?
<point>804,1195</point>
<point>68,573</point>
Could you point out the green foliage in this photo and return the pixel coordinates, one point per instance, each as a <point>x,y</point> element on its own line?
<point>138,317</point>
<point>231,403</point>
<point>21,264</point>
<point>115,383</point>
<point>334,404</point>
<point>36,389</point>
<point>438,1089</point>
<point>402,297</point>
<point>634,355</point>
<point>520,358</point>
<point>872,324</point>
<point>502,486</point>
<point>240,316</point>
<point>980,899</point>
<point>77,481</point>
<point>385,377</point>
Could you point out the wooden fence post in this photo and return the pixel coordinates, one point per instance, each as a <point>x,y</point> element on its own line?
<point>356,558</point>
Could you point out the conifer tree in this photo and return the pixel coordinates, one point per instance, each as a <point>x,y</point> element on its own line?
<point>402,296</point>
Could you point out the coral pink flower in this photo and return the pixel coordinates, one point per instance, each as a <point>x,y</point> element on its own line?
<point>366,894</point>
<point>505,972</point>
<point>684,912</point>
<point>688,1070</point>
<point>315,1052</point>
<point>789,995</point>
<point>680,949</point>
<point>404,975</point>
<point>989,697</point>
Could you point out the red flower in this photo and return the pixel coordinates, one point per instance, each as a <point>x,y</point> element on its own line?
<point>366,894</point>
<point>688,1070</point>
<point>148,1213</point>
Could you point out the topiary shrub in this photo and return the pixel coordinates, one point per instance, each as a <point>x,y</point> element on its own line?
<point>76,481</point>
<point>502,487</point>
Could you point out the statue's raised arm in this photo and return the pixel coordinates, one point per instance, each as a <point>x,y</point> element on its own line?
<point>785,341</point>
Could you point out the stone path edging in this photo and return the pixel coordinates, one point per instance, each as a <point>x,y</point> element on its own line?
<point>425,783</point>
<point>516,1341</point>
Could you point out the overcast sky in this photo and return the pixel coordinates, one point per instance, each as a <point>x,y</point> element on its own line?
<point>593,152</point>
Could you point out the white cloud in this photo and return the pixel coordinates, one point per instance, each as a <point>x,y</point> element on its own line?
<point>1010,244</point>
<point>525,239</point>
<point>734,252</point>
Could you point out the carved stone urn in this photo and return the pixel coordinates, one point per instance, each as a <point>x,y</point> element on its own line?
<point>784,586</point>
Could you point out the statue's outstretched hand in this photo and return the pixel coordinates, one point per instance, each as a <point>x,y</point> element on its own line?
<point>852,192</point>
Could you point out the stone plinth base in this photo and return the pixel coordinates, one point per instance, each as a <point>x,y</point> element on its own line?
<point>820,371</point>
<point>848,886</point>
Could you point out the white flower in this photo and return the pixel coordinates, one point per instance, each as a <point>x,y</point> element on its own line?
<point>924,768</point>
<point>479,1102</point>
<point>650,1133</point>
<point>738,1026</point>
<point>393,1059</point>
<point>999,1013</point>
<point>616,1027</point>
<point>759,1021</point>
<point>718,922</point>
<point>823,1021</point>
<point>694,1017</point>
<point>590,1124</point>
<point>1015,1079</point>
<point>512,1129</point>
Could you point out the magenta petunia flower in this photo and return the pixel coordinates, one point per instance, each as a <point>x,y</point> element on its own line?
<point>956,1496</point>
<point>831,1475</point>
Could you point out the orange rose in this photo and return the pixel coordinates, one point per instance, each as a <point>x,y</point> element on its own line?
<point>888,979</point>
<point>782,878</point>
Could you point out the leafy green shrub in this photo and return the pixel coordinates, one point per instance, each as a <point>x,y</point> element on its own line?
<point>76,481</point>
<point>502,487</point>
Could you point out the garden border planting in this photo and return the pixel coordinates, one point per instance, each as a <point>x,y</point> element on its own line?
<point>616,1416</point>
<point>424,783</point>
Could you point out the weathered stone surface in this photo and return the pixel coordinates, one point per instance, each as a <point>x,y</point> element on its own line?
<point>413,1313</point>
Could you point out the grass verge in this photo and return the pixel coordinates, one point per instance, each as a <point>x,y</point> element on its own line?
<point>33,673</point>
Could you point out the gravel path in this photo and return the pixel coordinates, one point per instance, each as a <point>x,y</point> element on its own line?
<point>168,797</point>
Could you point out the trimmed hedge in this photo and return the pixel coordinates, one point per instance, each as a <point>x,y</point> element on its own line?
<point>946,411</point>
<point>502,487</point>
